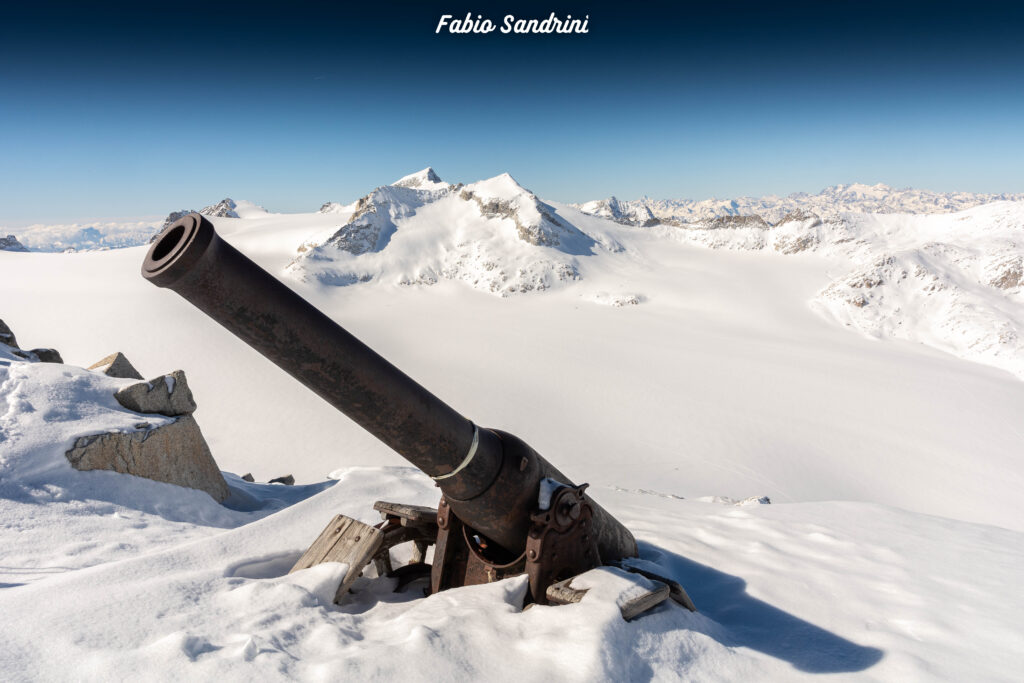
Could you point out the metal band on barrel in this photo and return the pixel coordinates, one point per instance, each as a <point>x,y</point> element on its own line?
<point>465,461</point>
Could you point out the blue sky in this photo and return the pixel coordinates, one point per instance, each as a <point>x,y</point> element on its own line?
<point>122,110</point>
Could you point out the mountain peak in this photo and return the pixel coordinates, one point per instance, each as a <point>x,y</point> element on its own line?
<point>421,179</point>
<point>11,243</point>
<point>224,209</point>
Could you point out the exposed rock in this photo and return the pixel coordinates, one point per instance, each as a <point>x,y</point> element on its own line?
<point>11,243</point>
<point>116,365</point>
<point>7,336</point>
<point>166,395</point>
<point>752,221</point>
<point>175,216</point>
<point>800,216</point>
<point>794,244</point>
<point>621,212</point>
<point>422,178</point>
<point>287,480</point>
<point>47,355</point>
<point>224,209</point>
<point>248,477</point>
<point>1008,274</point>
<point>174,453</point>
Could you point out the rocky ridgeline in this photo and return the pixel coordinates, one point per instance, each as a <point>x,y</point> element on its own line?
<point>226,208</point>
<point>854,197</point>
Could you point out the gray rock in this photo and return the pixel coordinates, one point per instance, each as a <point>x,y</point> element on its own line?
<point>174,453</point>
<point>47,355</point>
<point>166,395</point>
<point>287,480</point>
<point>248,477</point>
<point>172,217</point>
<point>7,336</point>
<point>11,243</point>
<point>116,365</point>
<point>224,209</point>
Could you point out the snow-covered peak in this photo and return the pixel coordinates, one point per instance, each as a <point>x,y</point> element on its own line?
<point>625,213</point>
<point>223,209</point>
<point>229,208</point>
<point>494,234</point>
<point>425,179</point>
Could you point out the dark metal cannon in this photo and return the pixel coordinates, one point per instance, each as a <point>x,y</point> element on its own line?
<point>489,523</point>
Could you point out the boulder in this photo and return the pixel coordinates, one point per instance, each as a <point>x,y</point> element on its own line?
<point>6,336</point>
<point>174,453</point>
<point>248,477</point>
<point>116,365</point>
<point>287,480</point>
<point>167,395</point>
<point>47,355</point>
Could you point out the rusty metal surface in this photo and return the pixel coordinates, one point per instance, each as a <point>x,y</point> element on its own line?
<point>562,542</point>
<point>460,561</point>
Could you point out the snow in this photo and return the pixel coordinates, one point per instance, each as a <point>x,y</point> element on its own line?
<point>890,551</point>
<point>87,236</point>
<point>854,197</point>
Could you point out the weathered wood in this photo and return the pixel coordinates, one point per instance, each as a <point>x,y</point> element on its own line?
<point>676,590</point>
<point>633,608</point>
<point>343,540</point>
<point>561,593</point>
<point>411,515</point>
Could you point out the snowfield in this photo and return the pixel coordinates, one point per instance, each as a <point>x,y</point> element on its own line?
<point>861,370</point>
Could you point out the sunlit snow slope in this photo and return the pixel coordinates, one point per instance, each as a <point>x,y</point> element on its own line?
<point>659,364</point>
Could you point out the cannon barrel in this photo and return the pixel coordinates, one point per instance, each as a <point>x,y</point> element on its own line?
<point>490,479</point>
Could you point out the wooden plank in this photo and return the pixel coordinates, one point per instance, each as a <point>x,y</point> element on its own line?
<point>561,593</point>
<point>633,608</point>
<point>343,540</point>
<point>411,514</point>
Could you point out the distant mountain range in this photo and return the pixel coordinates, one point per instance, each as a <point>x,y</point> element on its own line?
<point>855,198</point>
<point>945,269</point>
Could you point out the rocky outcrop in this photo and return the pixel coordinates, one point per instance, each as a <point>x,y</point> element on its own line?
<point>723,222</point>
<point>116,365</point>
<point>47,355</point>
<point>175,216</point>
<point>175,453</point>
<point>166,395</point>
<point>39,355</point>
<point>1008,273</point>
<point>425,178</point>
<point>11,243</point>
<point>223,209</point>
<point>7,336</point>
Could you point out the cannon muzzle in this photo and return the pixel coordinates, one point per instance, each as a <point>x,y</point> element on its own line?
<point>490,479</point>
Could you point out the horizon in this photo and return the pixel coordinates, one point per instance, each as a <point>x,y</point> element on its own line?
<point>127,111</point>
<point>156,218</point>
<point>198,206</point>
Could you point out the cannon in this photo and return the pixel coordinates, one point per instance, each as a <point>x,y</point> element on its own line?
<point>504,509</point>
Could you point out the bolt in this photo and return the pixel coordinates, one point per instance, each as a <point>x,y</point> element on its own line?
<point>532,554</point>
